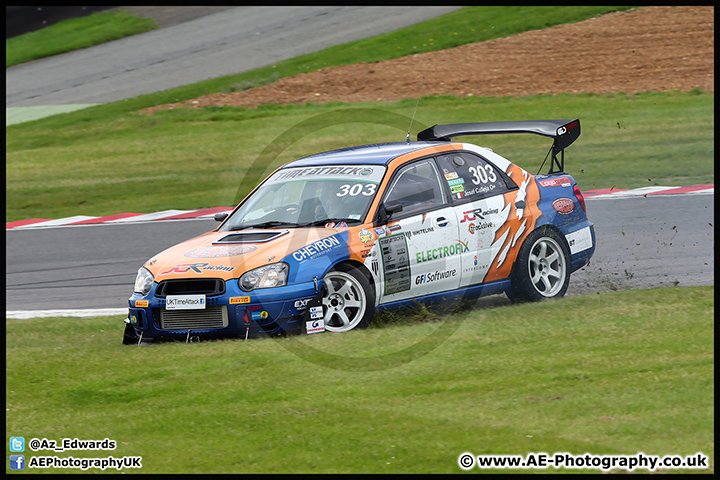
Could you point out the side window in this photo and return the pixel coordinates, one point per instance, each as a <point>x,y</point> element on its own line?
<point>417,188</point>
<point>471,177</point>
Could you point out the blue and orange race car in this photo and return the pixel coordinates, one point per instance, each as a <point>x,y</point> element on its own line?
<point>325,241</point>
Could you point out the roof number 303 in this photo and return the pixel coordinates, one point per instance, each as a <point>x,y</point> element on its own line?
<point>479,174</point>
<point>367,189</point>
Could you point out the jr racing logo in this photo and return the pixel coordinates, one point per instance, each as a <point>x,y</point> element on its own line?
<point>198,268</point>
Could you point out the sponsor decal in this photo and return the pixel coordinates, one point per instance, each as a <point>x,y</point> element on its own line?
<point>397,263</point>
<point>451,176</point>
<point>199,268</point>
<point>185,302</point>
<point>434,276</point>
<point>261,315</point>
<point>580,240</point>
<point>316,312</point>
<point>471,215</point>
<point>457,189</point>
<point>564,206</point>
<point>220,251</point>
<point>142,303</point>
<point>365,235</point>
<point>441,252</point>
<point>563,130</point>
<point>133,319</point>
<point>379,231</point>
<point>301,304</point>
<point>315,326</point>
<point>341,225</point>
<point>236,300</point>
<point>472,228</point>
<point>475,267</point>
<point>420,231</point>
<point>316,249</point>
<point>345,171</point>
<point>330,225</point>
<point>555,182</point>
<point>457,181</point>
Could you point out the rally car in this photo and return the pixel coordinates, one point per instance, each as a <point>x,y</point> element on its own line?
<point>327,240</point>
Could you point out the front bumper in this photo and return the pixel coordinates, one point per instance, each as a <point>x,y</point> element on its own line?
<point>234,313</point>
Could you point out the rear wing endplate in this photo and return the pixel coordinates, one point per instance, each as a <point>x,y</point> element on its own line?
<point>563,132</point>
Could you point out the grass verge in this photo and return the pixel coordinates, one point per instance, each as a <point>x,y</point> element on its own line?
<point>74,34</point>
<point>612,373</point>
<point>188,159</point>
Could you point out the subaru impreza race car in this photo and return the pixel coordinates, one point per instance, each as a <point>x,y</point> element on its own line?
<point>327,240</point>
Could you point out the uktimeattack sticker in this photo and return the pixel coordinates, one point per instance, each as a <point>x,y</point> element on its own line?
<point>185,302</point>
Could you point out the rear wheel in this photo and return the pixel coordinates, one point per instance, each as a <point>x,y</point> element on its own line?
<point>542,269</point>
<point>348,300</point>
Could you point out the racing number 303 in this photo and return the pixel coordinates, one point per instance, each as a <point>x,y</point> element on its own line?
<point>479,174</point>
<point>367,189</point>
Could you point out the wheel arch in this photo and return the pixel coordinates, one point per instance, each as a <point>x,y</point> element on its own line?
<point>547,226</point>
<point>348,264</point>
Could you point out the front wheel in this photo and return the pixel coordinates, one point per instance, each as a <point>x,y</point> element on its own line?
<point>348,300</point>
<point>542,269</point>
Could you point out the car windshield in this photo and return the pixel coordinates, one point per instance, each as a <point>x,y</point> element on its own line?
<point>310,197</point>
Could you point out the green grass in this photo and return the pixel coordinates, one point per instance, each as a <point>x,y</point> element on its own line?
<point>74,34</point>
<point>188,159</point>
<point>612,373</point>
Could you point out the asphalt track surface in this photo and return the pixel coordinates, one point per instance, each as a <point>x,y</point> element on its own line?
<point>645,242</point>
<point>223,43</point>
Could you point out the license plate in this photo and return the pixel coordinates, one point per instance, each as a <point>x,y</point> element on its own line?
<point>185,302</point>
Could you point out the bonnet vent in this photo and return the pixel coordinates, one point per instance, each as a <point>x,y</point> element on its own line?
<point>250,237</point>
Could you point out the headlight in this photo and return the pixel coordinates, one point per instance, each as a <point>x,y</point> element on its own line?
<point>143,281</point>
<point>269,276</point>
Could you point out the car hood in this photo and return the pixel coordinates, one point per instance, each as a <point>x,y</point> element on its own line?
<point>228,255</point>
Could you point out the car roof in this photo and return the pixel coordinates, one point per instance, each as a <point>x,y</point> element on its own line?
<point>375,154</point>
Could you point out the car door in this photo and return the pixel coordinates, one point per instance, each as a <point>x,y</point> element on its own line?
<point>478,190</point>
<point>420,251</point>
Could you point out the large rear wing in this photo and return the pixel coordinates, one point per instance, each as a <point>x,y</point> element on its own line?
<point>563,132</point>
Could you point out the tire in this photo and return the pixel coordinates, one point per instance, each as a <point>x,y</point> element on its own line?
<point>542,268</point>
<point>348,300</point>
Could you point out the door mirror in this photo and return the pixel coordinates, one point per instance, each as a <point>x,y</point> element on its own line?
<point>385,212</point>
<point>392,209</point>
<point>219,217</point>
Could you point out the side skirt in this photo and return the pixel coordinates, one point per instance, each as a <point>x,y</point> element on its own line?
<point>475,291</point>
